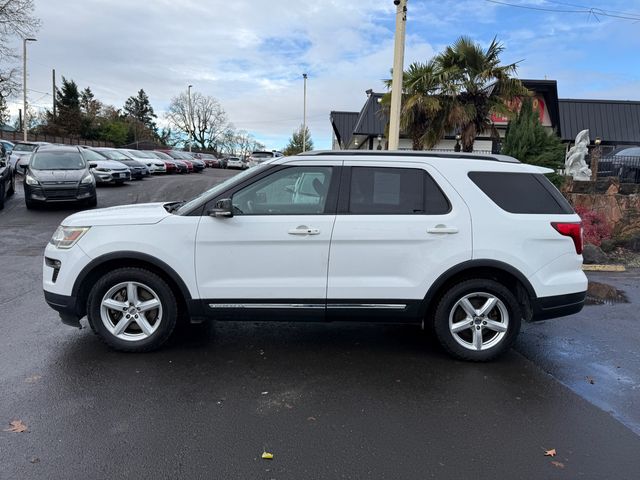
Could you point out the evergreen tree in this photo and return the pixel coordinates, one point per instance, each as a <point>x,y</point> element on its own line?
<point>530,142</point>
<point>295,143</point>
<point>69,118</point>
<point>140,108</point>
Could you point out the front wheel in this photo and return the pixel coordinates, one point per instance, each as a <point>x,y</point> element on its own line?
<point>132,310</point>
<point>12,186</point>
<point>477,320</point>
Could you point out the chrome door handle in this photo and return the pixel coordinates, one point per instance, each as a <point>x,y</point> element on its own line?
<point>304,230</point>
<point>442,229</point>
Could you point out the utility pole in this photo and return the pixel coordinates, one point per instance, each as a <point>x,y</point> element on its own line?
<point>54,92</point>
<point>304,114</point>
<point>398,69</point>
<point>24,85</point>
<point>190,116</point>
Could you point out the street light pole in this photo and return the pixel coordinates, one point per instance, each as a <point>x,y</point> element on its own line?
<point>24,85</point>
<point>190,116</point>
<point>398,69</point>
<point>304,115</point>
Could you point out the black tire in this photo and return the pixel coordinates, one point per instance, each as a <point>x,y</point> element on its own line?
<point>1,196</point>
<point>29,204</point>
<point>460,344</point>
<point>12,186</point>
<point>92,202</point>
<point>146,280</point>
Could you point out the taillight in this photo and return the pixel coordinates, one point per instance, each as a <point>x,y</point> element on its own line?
<point>573,230</point>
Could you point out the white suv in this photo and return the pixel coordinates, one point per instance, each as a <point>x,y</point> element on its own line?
<point>470,245</point>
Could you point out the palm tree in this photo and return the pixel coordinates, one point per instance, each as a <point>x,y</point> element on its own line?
<point>421,104</point>
<point>476,85</point>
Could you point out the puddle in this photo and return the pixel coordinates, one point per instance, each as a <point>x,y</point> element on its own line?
<point>604,294</point>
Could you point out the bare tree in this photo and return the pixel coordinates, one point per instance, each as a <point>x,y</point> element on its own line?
<point>16,20</point>
<point>205,126</point>
<point>245,143</point>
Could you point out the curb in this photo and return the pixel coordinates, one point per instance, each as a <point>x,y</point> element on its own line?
<point>604,268</point>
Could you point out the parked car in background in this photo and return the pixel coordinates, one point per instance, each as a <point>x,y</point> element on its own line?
<point>623,163</point>
<point>105,170</point>
<point>169,163</point>
<point>58,174</point>
<point>148,159</point>
<point>8,147</point>
<point>22,152</point>
<point>178,157</point>
<point>236,162</point>
<point>7,180</point>
<point>259,156</point>
<point>138,169</point>
<point>212,161</point>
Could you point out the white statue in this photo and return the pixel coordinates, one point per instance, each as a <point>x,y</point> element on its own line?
<point>574,163</point>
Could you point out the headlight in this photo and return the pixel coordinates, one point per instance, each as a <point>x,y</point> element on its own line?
<point>31,181</point>
<point>103,169</point>
<point>88,178</point>
<point>66,237</point>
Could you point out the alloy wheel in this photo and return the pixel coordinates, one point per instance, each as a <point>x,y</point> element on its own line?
<point>478,321</point>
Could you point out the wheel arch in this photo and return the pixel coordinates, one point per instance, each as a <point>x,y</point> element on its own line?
<point>509,276</point>
<point>111,261</point>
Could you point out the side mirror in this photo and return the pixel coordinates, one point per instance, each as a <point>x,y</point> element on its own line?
<point>93,165</point>
<point>223,208</point>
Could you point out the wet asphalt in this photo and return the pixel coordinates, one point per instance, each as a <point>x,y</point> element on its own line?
<point>328,400</point>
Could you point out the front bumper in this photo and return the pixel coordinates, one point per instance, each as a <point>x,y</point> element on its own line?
<point>556,306</point>
<point>66,308</point>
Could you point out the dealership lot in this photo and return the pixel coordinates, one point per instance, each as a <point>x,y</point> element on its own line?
<point>328,400</point>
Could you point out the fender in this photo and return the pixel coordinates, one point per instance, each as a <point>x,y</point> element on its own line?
<point>470,264</point>
<point>124,255</point>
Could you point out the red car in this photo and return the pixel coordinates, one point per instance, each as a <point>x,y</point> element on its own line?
<point>178,156</point>
<point>170,164</point>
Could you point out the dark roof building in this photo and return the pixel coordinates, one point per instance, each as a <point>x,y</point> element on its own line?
<point>615,122</point>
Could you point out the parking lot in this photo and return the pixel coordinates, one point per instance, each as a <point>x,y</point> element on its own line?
<point>328,400</point>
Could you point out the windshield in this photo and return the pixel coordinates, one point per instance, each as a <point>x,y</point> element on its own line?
<point>51,160</point>
<point>160,155</point>
<point>91,156</point>
<point>140,154</point>
<point>262,155</point>
<point>114,155</point>
<point>629,152</point>
<point>24,147</point>
<point>212,192</point>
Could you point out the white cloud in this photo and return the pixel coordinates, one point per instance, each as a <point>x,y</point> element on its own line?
<point>250,54</point>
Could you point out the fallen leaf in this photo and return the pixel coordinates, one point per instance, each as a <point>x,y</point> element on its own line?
<point>264,393</point>
<point>590,380</point>
<point>16,427</point>
<point>267,456</point>
<point>557,464</point>
<point>311,419</point>
<point>550,453</point>
<point>33,378</point>
<point>34,460</point>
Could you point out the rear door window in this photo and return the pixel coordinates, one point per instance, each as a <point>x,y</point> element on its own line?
<point>527,193</point>
<point>395,191</point>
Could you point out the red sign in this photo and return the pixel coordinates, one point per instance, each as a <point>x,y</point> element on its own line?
<point>515,105</point>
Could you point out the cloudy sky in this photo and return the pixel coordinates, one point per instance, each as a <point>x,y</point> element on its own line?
<point>250,54</point>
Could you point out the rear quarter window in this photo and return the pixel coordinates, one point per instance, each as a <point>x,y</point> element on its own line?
<point>525,193</point>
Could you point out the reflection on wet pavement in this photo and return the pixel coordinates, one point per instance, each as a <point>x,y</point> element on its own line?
<point>604,294</point>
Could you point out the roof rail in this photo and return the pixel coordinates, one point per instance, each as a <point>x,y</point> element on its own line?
<point>406,153</point>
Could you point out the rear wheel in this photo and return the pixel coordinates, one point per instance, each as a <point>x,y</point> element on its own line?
<point>477,320</point>
<point>132,310</point>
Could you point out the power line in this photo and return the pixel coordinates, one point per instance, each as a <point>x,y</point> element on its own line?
<point>582,9</point>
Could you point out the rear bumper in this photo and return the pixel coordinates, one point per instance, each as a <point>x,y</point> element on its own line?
<point>66,306</point>
<point>545,308</point>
